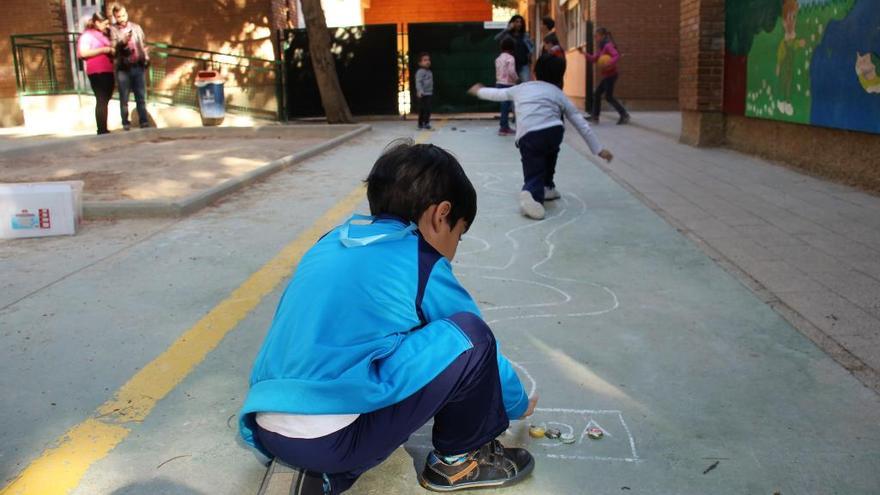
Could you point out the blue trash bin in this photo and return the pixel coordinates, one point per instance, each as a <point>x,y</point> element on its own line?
<point>212,103</point>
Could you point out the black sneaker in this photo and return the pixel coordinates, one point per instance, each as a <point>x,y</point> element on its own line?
<point>492,466</point>
<point>623,120</point>
<point>283,478</point>
<point>127,127</point>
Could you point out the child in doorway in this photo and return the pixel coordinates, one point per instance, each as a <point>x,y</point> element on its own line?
<point>374,336</point>
<point>424,90</point>
<point>505,77</point>
<point>541,105</point>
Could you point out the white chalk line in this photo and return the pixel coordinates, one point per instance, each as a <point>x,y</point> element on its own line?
<point>566,297</point>
<point>490,183</point>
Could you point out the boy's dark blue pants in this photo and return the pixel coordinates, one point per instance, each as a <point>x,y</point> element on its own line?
<point>464,400</point>
<point>539,151</point>
<point>425,110</point>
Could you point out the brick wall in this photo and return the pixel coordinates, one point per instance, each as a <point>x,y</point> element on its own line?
<point>241,27</point>
<point>22,17</point>
<point>405,11</point>
<point>647,34</point>
<point>702,55</point>
<point>701,77</point>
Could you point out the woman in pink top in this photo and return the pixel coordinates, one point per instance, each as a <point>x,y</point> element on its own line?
<point>505,77</point>
<point>95,49</point>
<point>606,58</point>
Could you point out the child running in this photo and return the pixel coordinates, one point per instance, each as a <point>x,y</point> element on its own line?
<point>374,336</point>
<point>540,106</point>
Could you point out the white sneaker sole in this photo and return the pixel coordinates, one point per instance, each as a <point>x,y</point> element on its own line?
<point>529,207</point>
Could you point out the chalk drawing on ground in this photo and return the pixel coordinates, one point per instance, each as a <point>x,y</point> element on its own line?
<point>513,266</point>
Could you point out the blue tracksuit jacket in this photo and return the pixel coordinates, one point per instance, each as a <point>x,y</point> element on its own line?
<point>362,326</point>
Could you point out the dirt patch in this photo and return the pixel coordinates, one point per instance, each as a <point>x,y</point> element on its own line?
<point>161,168</point>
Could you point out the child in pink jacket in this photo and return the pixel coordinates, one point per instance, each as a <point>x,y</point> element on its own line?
<point>505,77</point>
<point>606,58</point>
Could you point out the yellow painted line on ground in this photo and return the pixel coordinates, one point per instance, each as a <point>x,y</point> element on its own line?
<point>59,469</point>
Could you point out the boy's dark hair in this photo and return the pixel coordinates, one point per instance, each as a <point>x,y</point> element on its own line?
<point>508,44</point>
<point>552,39</point>
<point>423,55</point>
<point>548,22</point>
<point>551,69</point>
<point>408,178</point>
<point>517,16</point>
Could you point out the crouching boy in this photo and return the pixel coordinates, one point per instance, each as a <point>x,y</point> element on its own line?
<point>374,337</point>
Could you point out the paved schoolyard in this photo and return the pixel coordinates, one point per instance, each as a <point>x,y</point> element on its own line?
<point>612,316</point>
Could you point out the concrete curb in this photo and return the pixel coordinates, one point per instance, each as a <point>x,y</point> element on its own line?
<point>868,376</point>
<point>197,201</point>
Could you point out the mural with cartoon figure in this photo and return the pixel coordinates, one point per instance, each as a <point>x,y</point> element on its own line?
<point>804,61</point>
<point>867,67</point>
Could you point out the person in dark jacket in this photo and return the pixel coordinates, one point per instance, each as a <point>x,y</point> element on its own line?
<point>522,52</point>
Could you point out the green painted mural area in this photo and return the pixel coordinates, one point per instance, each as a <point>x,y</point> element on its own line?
<point>778,75</point>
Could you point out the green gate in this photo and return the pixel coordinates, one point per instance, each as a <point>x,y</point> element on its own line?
<point>462,53</point>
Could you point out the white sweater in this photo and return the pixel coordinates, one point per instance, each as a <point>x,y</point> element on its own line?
<point>540,105</point>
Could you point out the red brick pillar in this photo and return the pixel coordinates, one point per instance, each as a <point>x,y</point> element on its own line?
<point>701,77</point>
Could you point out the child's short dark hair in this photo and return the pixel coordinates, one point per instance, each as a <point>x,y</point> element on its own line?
<point>408,178</point>
<point>508,44</point>
<point>552,39</point>
<point>551,69</point>
<point>423,55</point>
<point>548,22</point>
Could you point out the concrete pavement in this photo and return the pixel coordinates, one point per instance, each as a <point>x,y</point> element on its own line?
<point>611,315</point>
<point>808,247</point>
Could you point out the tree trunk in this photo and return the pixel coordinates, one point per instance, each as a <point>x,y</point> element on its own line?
<point>335,106</point>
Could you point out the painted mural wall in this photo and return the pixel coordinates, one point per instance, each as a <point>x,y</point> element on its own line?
<point>805,61</point>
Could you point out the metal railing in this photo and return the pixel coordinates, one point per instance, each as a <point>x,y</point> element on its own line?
<point>46,64</point>
<point>253,85</point>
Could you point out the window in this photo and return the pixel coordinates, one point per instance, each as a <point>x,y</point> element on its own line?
<point>575,26</point>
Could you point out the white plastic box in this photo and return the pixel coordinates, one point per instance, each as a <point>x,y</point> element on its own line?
<point>40,209</point>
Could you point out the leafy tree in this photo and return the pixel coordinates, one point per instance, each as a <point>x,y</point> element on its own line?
<point>332,99</point>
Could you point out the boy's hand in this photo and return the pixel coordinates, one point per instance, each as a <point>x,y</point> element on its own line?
<point>475,88</point>
<point>606,155</point>
<point>533,402</point>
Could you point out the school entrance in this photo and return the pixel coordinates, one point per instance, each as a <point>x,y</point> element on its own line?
<point>375,63</point>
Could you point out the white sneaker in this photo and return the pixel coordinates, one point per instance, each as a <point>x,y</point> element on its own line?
<point>529,207</point>
<point>550,193</point>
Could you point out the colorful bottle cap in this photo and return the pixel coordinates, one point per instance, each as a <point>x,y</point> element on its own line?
<point>536,431</point>
<point>552,433</point>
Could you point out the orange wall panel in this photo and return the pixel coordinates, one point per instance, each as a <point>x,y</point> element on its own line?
<point>406,11</point>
